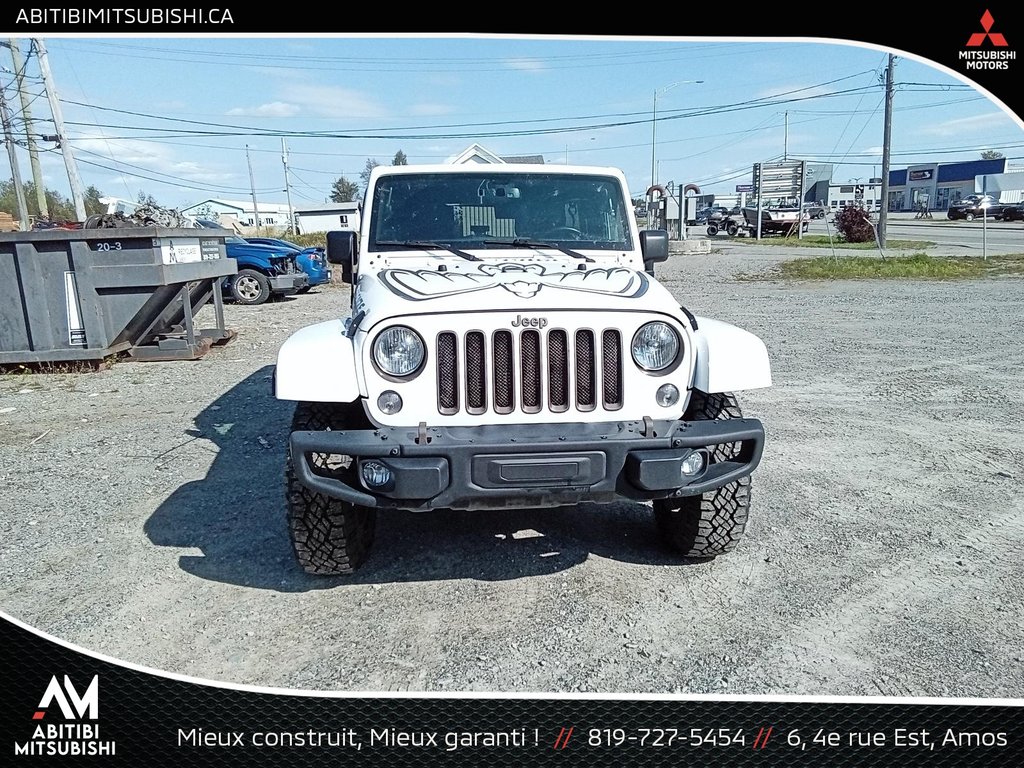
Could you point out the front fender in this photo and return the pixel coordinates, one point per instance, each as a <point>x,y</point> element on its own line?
<point>317,364</point>
<point>729,358</point>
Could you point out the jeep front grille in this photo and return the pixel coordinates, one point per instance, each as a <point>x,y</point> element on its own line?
<point>529,370</point>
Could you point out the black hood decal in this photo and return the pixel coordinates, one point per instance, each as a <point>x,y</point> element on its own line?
<point>524,280</point>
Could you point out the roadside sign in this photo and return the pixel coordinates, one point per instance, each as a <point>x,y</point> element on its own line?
<point>779,180</point>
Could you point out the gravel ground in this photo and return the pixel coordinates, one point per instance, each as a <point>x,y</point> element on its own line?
<point>143,517</point>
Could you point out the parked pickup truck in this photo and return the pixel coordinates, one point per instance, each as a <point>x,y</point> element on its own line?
<point>312,260</point>
<point>264,271</point>
<point>815,210</point>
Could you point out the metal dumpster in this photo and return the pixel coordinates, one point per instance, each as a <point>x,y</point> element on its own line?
<point>69,295</point>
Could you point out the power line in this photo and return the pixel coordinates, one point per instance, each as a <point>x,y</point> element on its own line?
<point>400,65</point>
<point>204,188</point>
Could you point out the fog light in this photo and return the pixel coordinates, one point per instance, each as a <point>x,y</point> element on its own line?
<point>389,402</point>
<point>375,474</point>
<point>667,395</point>
<point>692,464</point>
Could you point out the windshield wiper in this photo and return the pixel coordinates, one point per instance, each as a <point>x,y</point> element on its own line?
<point>521,242</point>
<point>431,246</point>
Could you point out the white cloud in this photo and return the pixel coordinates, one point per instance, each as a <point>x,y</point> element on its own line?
<point>271,109</point>
<point>334,101</point>
<point>148,157</point>
<point>526,65</point>
<point>964,125</point>
<point>877,151</point>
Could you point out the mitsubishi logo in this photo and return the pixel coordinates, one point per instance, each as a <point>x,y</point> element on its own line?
<point>979,37</point>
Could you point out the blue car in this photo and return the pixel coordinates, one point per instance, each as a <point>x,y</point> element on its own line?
<point>312,260</point>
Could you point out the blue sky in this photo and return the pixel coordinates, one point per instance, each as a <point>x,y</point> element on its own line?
<point>172,116</point>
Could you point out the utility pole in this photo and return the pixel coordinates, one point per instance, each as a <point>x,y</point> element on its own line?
<point>19,191</point>
<point>30,137</point>
<point>287,188</point>
<point>62,139</point>
<point>883,215</point>
<point>252,186</point>
<point>785,143</point>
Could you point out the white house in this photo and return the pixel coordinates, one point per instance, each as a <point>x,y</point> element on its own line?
<point>327,217</point>
<point>271,214</point>
<point>475,153</point>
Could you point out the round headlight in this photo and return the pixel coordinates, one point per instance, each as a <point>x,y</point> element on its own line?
<point>398,351</point>
<point>655,346</point>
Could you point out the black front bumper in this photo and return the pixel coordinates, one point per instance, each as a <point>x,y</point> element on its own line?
<point>490,467</point>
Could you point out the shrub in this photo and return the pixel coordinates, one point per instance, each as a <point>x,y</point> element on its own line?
<point>854,224</point>
<point>310,240</point>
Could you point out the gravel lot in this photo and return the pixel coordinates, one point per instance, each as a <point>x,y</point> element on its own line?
<point>143,517</point>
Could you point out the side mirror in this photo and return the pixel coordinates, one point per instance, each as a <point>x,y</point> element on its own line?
<point>653,247</point>
<point>341,250</point>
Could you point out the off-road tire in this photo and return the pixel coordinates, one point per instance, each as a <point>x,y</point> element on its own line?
<point>732,230</point>
<point>330,537</point>
<point>250,287</point>
<point>712,230</point>
<point>711,524</point>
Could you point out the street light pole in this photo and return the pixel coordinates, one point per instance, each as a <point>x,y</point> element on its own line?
<point>654,135</point>
<point>654,125</point>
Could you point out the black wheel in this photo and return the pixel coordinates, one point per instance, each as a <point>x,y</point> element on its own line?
<point>968,217</point>
<point>712,524</point>
<point>250,287</point>
<point>330,537</point>
<point>733,230</point>
<point>712,230</point>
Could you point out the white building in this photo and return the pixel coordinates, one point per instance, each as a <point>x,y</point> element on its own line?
<point>270,215</point>
<point>328,217</point>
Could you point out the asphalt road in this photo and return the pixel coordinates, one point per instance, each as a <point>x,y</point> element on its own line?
<point>143,518</point>
<point>959,237</point>
<point>972,237</point>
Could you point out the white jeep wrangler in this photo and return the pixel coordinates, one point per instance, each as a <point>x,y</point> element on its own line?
<point>508,346</point>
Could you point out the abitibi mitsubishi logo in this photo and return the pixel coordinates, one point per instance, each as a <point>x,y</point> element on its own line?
<point>987,48</point>
<point>65,722</point>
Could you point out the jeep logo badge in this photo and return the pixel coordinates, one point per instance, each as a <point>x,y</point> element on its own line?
<point>530,322</point>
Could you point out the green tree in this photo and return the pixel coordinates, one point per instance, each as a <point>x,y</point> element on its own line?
<point>400,158</point>
<point>343,190</point>
<point>992,154</point>
<point>92,201</point>
<point>364,175</point>
<point>60,207</point>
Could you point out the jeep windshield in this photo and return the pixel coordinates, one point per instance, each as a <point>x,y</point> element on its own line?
<point>494,210</point>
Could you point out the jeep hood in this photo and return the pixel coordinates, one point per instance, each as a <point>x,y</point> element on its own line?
<point>510,287</point>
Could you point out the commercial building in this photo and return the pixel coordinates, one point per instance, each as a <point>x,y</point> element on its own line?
<point>270,214</point>
<point>936,185</point>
